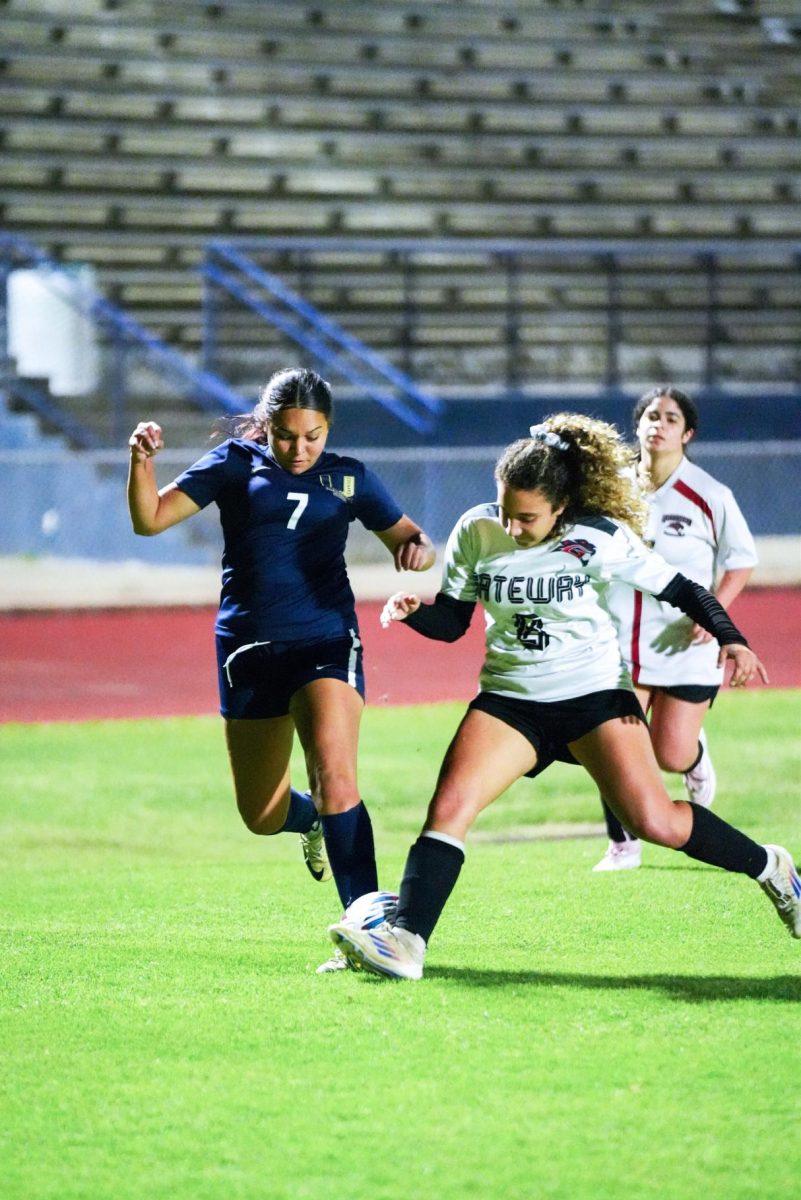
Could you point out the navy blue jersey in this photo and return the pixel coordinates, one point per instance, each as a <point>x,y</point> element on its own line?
<point>284,576</point>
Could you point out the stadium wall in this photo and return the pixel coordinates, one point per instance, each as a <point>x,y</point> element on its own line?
<point>65,506</point>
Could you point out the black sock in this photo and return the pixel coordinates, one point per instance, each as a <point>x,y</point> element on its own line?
<point>300,815</point>
<point>721,845</point>
<point>351,852</point>
<point>613,827</point>
<point>432,869</point>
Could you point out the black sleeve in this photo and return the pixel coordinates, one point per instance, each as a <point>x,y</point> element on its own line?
<point>446,620</point>
<point>704,609</point>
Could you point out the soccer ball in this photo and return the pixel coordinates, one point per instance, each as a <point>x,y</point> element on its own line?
<point>371,910</point>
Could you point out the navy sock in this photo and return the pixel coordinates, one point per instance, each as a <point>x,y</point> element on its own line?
<point>715,842</point>
<point>351,852</point>
<point>613,827</point>
<point>300,815</point>
<point>432,869</point>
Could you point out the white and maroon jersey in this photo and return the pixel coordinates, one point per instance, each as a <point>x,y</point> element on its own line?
<point>696,525</point>
<point>549,635</point>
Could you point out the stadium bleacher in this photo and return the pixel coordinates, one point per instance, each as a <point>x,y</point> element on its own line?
<point>133,134</point>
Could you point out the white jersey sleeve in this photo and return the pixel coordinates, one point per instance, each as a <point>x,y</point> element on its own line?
<point>735,546</point>
<point>696,525</point>
<point>462,552</point>
<point>627,560</point>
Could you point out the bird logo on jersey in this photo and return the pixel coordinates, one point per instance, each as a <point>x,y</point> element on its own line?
<point>346,492</point>
<point>675,525</point>
<point>579,548</point>
<point>530,631</point>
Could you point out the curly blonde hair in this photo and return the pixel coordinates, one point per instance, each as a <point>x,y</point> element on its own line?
<point>577,461</point>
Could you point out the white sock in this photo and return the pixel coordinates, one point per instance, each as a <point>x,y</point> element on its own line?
<point>412,941</point>
<point>444,837</point>
<point>772,864</point>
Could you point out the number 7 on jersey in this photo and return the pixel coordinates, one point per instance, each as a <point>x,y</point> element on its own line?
<point>297,512</point>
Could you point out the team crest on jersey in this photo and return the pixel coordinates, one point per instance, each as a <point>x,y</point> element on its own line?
<point>530,631</point>
<point>346,491</point>
<point>675,525</point>
<point>579,548</point>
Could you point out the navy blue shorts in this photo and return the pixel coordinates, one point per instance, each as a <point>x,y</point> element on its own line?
<point>258,679</point>
<point>550,726</point>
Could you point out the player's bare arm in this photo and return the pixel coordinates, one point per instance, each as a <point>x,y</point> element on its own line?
<point>411,549</point>
<point>152,511</point>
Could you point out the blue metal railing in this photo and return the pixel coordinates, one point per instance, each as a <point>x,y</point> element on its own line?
<point>35,396</point>
<point>609,261</point>
<point>205,389</point>
<point>256,275</point>
<point>226,266</point>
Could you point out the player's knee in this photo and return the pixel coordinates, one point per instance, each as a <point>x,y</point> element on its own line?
<point>659,826</point>
<point>263,821</point>
<point>674,754</point>
<point>334,788</point>
<point>673,760</point>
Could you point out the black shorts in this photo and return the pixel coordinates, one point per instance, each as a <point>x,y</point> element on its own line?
<point>259,679</point>
<point>551,726</point>
<point>691,692</point>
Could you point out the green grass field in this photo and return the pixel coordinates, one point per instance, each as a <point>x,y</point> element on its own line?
<point>164,1034</point>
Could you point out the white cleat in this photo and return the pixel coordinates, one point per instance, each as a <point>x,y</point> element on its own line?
<point>783,889</point>
<point>337,962</point>
<point>621,856</point>
<point>701,781</point>
<point>387,950</point>
<point>314,855</point>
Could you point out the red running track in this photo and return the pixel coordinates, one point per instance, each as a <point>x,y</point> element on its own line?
<point>157,662</point>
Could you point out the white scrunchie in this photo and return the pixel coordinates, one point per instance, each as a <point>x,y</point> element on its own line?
<point>541,433</point>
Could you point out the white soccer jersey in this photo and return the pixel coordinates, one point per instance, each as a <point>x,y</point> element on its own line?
<point>696,525</point>
<point>549,635</point>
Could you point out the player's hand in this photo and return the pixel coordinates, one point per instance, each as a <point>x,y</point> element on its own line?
<point>145,441</point>
<point>700,636</point>
<point>399,607</point>
<point>746,664</point>
<point>415,555</point>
